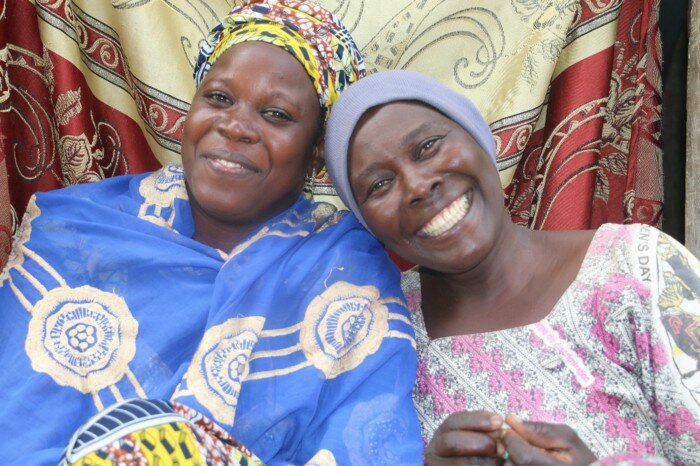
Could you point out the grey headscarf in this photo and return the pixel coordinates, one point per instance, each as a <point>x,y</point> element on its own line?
<point>382,88</point>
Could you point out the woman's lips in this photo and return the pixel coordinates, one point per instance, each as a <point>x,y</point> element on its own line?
<point>448,217</point>
<point>229,163</point>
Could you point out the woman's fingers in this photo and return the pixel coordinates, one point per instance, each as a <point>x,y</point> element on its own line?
<point>530,443</point>
<point>543,434</point>
<point>521,453</point>
<point>463,461</point>
<point>462,443</point>
<point>479,421</point>
<point>467,433</point>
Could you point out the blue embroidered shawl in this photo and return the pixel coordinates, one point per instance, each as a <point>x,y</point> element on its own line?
<point>297,342</point>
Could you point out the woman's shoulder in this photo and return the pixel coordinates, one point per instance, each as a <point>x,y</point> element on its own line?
<point>329,221</point>
<point>623,242</point>
<point>619,230</point>
<point>98,191</point>
<point>639,244</point>
<point>628,264</point>
<point>629,233</point>
<point>325,215</point>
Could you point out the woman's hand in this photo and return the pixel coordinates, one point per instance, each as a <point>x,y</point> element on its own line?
<point>544,444</point>
<point>467,437</point>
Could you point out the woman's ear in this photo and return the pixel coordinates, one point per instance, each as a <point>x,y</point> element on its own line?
<point>317,155</point>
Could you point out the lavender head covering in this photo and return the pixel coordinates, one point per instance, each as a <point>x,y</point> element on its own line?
<point>382,88</point>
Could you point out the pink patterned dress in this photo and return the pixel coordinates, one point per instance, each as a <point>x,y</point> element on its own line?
<point>617,359</point>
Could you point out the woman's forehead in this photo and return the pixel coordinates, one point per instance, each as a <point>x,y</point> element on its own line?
<point>399,118</point>
<point>266,66</point>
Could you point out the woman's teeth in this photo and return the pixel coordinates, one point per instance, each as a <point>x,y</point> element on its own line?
<point>447,218</point>
<point>226,164</point>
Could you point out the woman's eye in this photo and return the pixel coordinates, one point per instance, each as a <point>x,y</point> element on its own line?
<point>278,115</point>
<point>378,187</point>
<point>427,147</point>
<point>219,97</point>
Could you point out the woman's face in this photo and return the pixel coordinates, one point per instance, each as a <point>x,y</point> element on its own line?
<point>425,187</point>
<point>250,135</point>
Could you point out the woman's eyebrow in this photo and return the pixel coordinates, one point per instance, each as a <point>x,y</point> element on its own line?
<point>413,134</point>
<point>215,80</point>
<point>274,94</point>
<point>286,98</point>
<point>374,166</point>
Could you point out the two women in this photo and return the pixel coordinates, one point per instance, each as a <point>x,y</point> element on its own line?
<point>215,285</point>
<point>591,335</point>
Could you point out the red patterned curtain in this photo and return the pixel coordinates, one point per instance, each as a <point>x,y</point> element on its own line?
<point>91,89</point>
<point>597,156</point>
<point>55,131</point>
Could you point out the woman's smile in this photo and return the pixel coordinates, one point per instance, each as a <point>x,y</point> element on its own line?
<point>227,166</point>
<point>229,163</point>
<point>448,218</point>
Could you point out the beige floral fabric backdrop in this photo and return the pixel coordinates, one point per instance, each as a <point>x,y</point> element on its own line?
<point>92,89</point>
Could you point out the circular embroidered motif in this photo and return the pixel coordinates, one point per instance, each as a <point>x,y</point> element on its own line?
<point>342,326</point>
<point>82,337</point>
<point>221,365</point>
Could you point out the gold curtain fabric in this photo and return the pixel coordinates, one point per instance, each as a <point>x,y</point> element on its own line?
<point>91,89</point>
<point>692,183</point>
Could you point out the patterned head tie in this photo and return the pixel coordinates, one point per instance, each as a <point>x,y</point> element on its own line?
<point>309,32</point>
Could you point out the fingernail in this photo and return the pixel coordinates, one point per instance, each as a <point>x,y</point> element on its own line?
<point>504,429</point>
<point>496,420</point>
<point>516,418</point>
<point>500,448</point>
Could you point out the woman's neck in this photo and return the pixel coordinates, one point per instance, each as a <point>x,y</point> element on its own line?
<point>225,235</point>
<point>219,236</point>
<point>517,284</point>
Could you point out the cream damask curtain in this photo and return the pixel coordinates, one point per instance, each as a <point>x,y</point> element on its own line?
<point>571,88</point>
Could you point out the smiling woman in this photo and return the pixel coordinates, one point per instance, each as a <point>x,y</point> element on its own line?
<point>590,335</point>
<point>249,138</point>
<point>215,285</point>
<point>407,177</point>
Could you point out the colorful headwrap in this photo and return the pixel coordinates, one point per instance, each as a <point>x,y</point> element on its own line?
<point>312,34</point>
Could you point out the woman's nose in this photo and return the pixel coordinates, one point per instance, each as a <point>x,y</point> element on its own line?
<point>421,187</point>
<point>237,124</point>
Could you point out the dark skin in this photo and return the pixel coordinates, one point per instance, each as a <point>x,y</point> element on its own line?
<point>251,135</point>
<point>482,437</point>
<point>467,437</point>
<point>458,305</point>
<point>542,443</point>
<point>432,195</point>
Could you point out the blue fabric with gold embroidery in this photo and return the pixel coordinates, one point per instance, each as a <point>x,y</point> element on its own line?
<point>297,342</point>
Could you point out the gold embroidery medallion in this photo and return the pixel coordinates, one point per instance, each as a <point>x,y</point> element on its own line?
<point>221,364</point>
<point>82,337</point>
<point>343,325</point>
